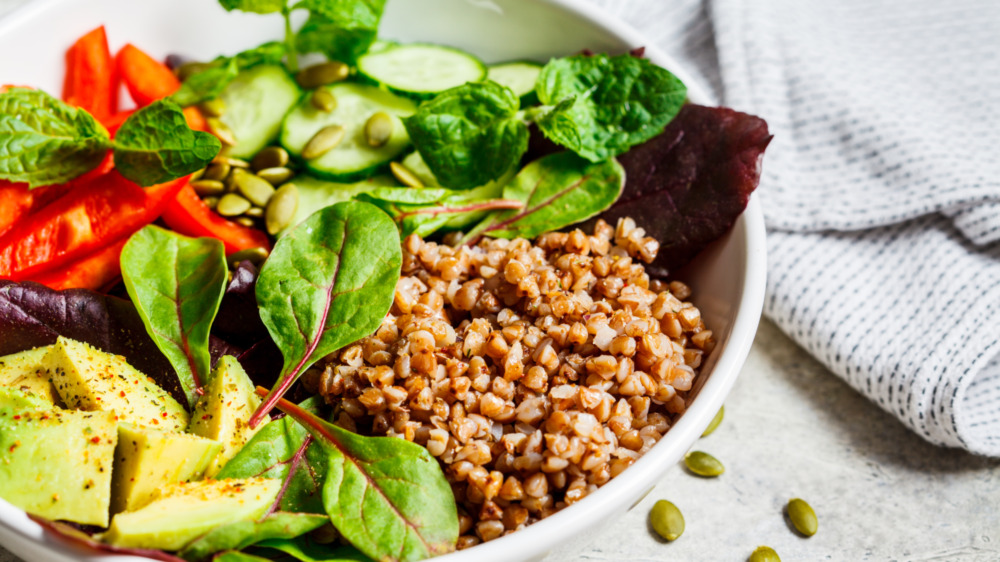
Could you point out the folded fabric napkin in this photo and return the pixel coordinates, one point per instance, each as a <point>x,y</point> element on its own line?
<point>881,188</point>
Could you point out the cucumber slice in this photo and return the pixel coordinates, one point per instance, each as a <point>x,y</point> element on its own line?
<point>419,70</point>
<point>315,194</point>
<point>256,103</point>
<point>519,76</point>
<point>353,159</point>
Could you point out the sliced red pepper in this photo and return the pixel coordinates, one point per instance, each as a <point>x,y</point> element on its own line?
<point>96,271</point>
<point>148,80</point>
<point>8,87</point>
<point>190,216</point>
<point>86,219</point>
<point>91,81</point>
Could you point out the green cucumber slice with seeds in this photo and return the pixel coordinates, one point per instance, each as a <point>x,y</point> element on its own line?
<point>353,159</point>
<point>419,70</point>
<point>256,102</point>
<point>519,76</point>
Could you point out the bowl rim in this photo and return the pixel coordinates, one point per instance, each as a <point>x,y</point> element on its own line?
<point>538,538</point>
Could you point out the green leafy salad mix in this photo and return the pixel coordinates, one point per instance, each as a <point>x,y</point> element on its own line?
<point>314,175</point>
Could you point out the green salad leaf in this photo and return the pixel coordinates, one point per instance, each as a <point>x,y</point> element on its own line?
<point>307,550</point>
<point>236,556</point>
<point>603,105</point>
<point>328,282</point>
<point>241,534</point>
<point>254,6</point>
<point>388,497</point>
<point>177,284</point>
<point>557,190</point>
<point>425,211</point>
<point>320,34</point>
<point>155,145</point>
<point>269,454</point>
<point>212,81</point>
<point>45,141</point>
<point>470,134</point>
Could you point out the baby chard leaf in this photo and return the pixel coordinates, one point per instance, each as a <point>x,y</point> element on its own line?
<point>241,534</point>
<point>270,454</point>
<point>557,190</point>
<point>327,283</point>
<point>155,145</point>
<point>177,284</point>
<point>601,105</point>
<point>424,211</point>
<point>307,550</point>
<point>388,497</point>
<point>470,134</point>
<point>43,141</point>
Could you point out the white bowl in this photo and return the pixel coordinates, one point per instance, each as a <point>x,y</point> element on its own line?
<point>728,278</point>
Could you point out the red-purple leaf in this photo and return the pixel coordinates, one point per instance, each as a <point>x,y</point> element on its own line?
<point>688,185</point>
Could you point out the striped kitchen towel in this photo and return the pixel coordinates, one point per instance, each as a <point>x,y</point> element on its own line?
<point>881,188</point>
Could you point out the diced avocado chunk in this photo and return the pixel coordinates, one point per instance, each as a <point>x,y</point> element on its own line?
<point>18,399</point>
<point>223,412</point>
<point>90,379</point>
<point>149,459</point>
<point>26,371</point>
<point>185,511</point>
<point>57,463</point>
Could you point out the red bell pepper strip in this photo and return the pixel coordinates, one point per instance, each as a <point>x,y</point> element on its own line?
<point>91,80</point>
<point>85,220</point>
<point>148,80</point>
<point>8,87</point>
<point>96,271</point>
<point>190,216</point>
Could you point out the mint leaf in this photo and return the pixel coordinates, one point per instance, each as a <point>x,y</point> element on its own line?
<point>210,83</point>
<point>557,190</point>
<point>44,141</point>
<point>255,6</point>
<point>322,35</point>
<point>470,134</point>
<point>155,145</point>
<point>603,105</point>
<point>327,283</point>
<point>177,284</point>
<point>348,14</point>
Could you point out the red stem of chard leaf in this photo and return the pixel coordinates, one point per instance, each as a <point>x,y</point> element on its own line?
<point>75,536</point>
<point>299,414</point>
<point>292,467</point>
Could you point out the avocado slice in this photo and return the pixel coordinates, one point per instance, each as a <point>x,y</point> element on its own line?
<point>148,459</point>
<point>26,371</point>
<point>90,379</point>
<point>57,463</point>
<point>186,510</point>
<point>18,399</point>
<point>223,412</point>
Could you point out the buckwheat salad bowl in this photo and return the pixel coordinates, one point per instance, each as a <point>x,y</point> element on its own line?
<point>708,309</point>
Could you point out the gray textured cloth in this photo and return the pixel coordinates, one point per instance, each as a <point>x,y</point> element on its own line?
<point>881,188</point>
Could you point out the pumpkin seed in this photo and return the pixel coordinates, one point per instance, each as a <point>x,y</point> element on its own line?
<point>703,464</point>
<point>211,202</point>
<point>276,176</point>
<point>245,221</point>
<point>323,100</point>
<point>221,130</point>
<point>715,422</point>
<point>270,157</point>
<point>254,212</point>
<point>281,210</point>
<point>802,516</point>
<point>322,74</point>
<point>257,190</point>
<point>214,107</point>
<point>197,175</point>
<point>404,175</point>
<point>233,162</point>
<point>232,205</point>
<point>378,129</point>
<point>205,188</point>
<point>187,69</point>
<point>217,172</point>
<point>325,140</point>
<point>764,554</point>
<point>255,256</point>
<point>666,520</point>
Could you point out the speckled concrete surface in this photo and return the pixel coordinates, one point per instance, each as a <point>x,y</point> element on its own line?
<point>793,429</point>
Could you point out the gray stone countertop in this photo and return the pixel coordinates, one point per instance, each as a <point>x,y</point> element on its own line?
<point>792,429</point>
